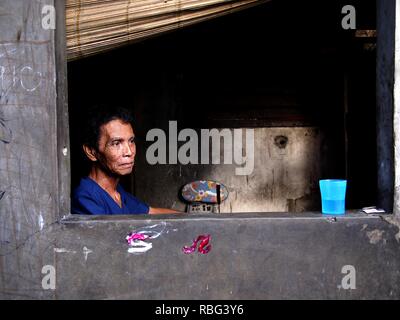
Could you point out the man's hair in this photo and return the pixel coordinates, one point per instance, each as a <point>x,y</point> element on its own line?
<point>98,116</point>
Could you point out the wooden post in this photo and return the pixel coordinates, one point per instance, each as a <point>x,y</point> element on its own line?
<point>396,120</point>
<point>384,90</point>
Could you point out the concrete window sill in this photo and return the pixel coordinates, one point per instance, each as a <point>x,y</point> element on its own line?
<point>351,214</point>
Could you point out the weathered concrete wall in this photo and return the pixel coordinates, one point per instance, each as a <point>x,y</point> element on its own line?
<point>28,142</point>
<point>254,256</point>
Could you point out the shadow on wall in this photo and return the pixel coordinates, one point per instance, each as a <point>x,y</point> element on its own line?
<point>284,177</point>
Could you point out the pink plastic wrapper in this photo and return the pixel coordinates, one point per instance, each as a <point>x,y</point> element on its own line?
<point>136,236</point>
<point>204,246</point>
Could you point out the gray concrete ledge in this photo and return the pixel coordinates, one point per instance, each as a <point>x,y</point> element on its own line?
<point>352,214</point>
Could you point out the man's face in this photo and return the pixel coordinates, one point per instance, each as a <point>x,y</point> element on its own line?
<point>117,147</point>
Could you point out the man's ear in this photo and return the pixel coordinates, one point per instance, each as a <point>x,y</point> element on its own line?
<point>90,152</point>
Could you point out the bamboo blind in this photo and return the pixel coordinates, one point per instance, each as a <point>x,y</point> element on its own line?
<point>94,26</point>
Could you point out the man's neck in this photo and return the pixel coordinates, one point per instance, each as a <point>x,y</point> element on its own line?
<point>107,182</point>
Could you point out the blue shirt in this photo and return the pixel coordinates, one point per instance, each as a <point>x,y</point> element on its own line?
<point>90,198</point>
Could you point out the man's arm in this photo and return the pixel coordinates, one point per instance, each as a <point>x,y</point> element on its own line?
<point>162,210</point>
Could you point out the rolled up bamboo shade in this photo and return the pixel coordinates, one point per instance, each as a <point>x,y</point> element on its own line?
<point>94,26</point>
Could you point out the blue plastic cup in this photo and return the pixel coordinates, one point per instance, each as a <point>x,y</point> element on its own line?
<point>333,195</point>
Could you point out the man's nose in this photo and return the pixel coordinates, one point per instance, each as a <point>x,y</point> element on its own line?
<point>130,149</point>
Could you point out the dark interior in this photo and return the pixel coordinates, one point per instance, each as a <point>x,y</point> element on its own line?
<point>281,64</point>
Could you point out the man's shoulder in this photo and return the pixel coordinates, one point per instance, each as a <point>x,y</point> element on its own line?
<point>86,187</point>
<point>87,199</point>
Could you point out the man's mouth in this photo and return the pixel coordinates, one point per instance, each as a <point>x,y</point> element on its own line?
<point>130,164</point>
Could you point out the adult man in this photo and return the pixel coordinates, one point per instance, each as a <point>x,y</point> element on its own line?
<point>110,147</point>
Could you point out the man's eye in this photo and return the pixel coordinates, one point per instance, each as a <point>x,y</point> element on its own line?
<point>115,143</point>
